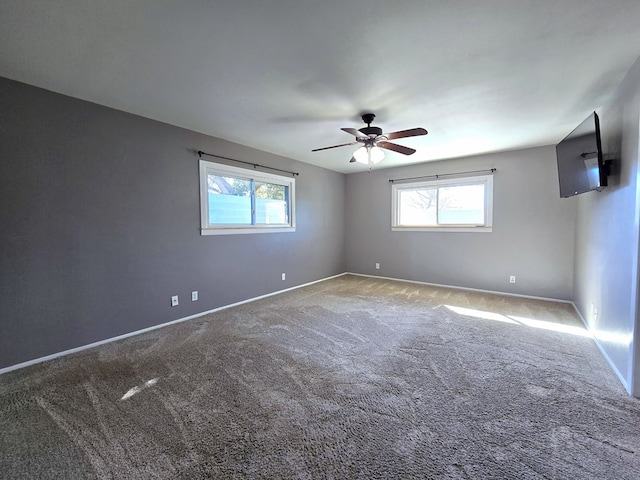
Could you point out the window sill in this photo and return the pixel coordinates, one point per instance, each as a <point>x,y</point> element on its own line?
<point>237,231</point>
<point>443,229</point>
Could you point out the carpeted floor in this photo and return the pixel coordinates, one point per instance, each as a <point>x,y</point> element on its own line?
<point>353,377</point>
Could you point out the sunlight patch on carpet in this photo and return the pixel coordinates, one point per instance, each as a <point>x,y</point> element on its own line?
<point>524,321</point>
<point>556,327</point>
<point>471,312</point>
<point>135,390</point>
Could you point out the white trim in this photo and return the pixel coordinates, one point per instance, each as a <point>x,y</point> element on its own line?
<point>155,327</point>
<point>249,300</point>
<point>442,229</point>
<point>495,292</point>
<point>252,229</point>
<point>206,166</point>
<point>486,180</point>
<point>624,381</point>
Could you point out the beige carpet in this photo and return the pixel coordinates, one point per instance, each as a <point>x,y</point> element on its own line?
<point>348,378</point>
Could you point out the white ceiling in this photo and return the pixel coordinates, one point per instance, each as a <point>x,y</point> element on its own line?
<point>284,75</point>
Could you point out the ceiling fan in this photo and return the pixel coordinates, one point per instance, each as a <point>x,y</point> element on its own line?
<point>373,140</point>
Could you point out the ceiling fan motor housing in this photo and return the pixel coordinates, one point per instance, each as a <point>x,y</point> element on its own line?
<point>369,130</point>
<point>375,131</point>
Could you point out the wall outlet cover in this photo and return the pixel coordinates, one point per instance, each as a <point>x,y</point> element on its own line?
<point>174,301</point>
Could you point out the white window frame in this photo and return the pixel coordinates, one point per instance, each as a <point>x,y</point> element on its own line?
<point>207,168</point>
<point>487,180</point>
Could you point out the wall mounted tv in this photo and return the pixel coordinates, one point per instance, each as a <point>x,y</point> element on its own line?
<point>581,167</point>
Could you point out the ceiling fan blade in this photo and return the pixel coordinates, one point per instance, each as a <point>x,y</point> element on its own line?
<point>334,146</point>
<point>354,132</point>
<point>412,132</point>
<point>396,148</point>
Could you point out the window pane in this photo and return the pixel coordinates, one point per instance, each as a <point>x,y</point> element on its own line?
<point>237,200</point>
<point>461,205</point>
<point>417,207</point>
<point>271,203</point>
<point>229,200</point>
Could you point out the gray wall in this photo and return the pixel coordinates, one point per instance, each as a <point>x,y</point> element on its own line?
<point>99,226</point>
<point>532,238</point>
<point>606,266</point>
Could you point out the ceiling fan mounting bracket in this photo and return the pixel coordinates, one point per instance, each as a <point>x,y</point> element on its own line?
<point>368,118</point>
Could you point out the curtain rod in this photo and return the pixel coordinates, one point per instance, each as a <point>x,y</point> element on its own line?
<point>254,165</point>
<point>442,175</point>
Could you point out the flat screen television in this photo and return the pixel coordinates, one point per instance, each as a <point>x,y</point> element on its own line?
<point>581,167</point>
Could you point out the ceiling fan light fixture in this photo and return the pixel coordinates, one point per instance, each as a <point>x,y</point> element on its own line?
<point>368,155</point>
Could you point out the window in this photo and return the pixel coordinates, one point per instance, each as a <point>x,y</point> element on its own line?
<point>455,204</point>
<point>236,200</point>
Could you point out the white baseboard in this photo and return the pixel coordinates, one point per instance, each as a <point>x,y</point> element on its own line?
<point>155,327</point>
<point>606,356</point>
<point>495,292</point>
<point>622,379</point>
<point>224,307</point>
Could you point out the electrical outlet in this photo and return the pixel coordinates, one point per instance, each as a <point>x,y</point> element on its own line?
<point>512,279</point>
<point>284,276</point>
<point>377,266</point>
<point>174,301</point>
<point>194,295</point>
